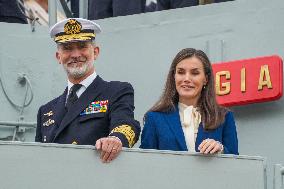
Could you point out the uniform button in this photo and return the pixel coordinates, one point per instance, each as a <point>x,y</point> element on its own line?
<point>74,142</point>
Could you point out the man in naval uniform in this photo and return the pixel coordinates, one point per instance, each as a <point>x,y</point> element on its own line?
<point>91,111</point>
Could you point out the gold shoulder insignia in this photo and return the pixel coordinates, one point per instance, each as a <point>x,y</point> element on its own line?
<point>127,131</point>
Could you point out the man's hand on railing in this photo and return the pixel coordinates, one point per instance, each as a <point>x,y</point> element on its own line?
<point>109,148</point>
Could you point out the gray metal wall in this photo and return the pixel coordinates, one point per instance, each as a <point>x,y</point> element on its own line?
<point>139,49</point>
<point>67,166</point>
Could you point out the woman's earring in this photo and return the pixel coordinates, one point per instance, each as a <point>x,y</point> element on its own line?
<point>204,86</point>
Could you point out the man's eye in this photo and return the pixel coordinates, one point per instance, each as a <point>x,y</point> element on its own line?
<point>66,48</point>
<point>83,46</point>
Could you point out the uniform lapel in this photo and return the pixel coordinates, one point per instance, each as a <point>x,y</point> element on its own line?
<point>85,99</point>
<point>60,108</point>
<point>59,111</point>
<point>173,120</point>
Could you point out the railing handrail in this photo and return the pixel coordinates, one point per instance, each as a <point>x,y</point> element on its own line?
<point>17,123</point>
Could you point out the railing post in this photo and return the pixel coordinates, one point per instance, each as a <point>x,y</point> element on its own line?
<point>83,9</point>
<point>278,177</point>
<point>52,12</point>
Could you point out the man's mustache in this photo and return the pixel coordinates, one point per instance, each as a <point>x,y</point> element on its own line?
<point>77,59</point>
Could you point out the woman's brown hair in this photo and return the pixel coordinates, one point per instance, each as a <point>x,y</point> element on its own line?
<point>212,114</point>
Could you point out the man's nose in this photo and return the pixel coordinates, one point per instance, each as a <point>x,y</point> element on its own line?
<point>75,52</point>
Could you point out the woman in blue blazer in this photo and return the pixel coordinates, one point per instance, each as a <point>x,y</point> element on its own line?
<point>187,116</point>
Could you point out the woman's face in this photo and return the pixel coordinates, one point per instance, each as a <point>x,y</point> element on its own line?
<point>189,80</point>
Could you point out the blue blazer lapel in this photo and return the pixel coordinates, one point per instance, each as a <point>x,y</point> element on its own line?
<point>173,120</point>
<point>84,100</point>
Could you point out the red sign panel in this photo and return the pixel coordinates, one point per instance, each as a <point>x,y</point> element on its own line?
<point>248,81</point>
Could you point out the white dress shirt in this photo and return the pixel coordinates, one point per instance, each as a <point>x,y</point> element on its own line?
<point>85,83</point>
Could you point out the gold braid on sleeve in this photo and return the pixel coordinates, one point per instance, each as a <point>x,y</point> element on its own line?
<point>127,131</point>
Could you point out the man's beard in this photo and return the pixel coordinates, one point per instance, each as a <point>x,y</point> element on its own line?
<point>77,72</point>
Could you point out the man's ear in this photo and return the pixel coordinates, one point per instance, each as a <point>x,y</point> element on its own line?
<point>58,57</point>
<point>96,52</point>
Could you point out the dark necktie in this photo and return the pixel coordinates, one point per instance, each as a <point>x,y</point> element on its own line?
<point>72,97</point>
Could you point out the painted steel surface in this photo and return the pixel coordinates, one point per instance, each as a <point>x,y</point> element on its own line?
<point>278,180</point>
<point>30,165</point>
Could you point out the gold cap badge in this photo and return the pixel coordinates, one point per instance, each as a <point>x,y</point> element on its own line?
<point>72,27</point>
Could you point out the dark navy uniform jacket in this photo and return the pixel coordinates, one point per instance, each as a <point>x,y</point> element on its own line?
<point>104,108</point>
<point>10,12</point>
<point>173,4</point>
<point>163,131</point>
<point>99,9</point>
